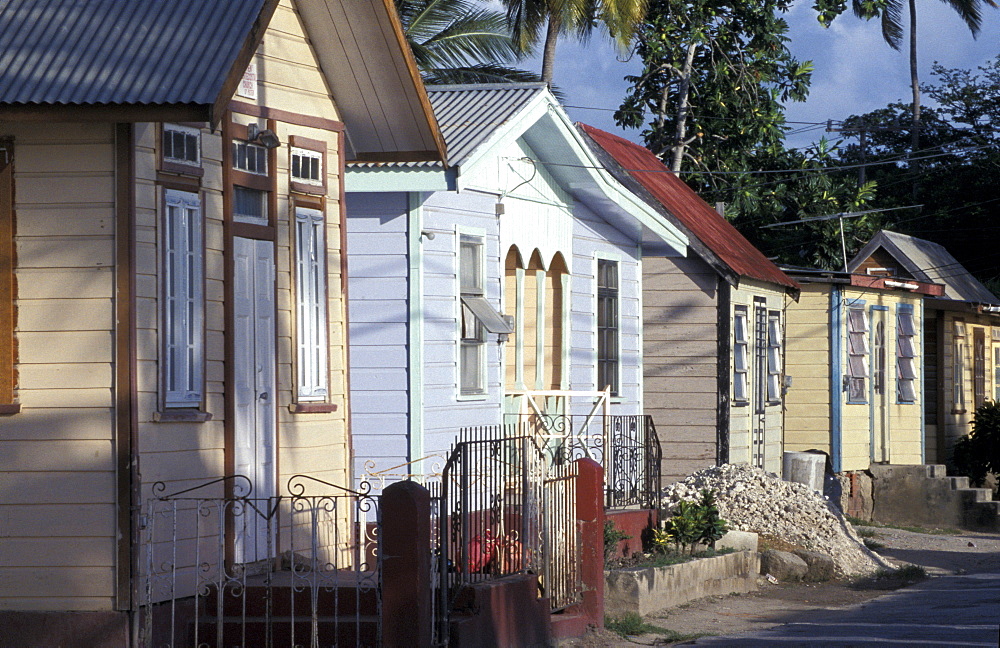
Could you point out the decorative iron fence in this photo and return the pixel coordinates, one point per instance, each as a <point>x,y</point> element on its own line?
<point>221,569</point>
<point>626,446</point>
<point>506,509</point>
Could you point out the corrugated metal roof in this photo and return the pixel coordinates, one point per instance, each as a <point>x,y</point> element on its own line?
<point>89,52</point>
<point>930,262</point>
<point>469,115</point>
<point>687,209</point>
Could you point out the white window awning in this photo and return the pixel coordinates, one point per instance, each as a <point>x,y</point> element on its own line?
<point>491,320</point>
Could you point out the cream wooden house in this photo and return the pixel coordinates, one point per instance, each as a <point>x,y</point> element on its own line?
<point>961,334</point>
<point>854,359</point>
<point>172,277</point>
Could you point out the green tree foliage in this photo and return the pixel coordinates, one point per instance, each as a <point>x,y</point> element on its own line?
<point>529,18</point>
<point>955,168</point>
<point>458,41</point>
<point>978,454</point>
<point>716,74</point>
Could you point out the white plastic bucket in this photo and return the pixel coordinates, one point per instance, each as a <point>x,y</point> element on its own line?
<point>804,468</point>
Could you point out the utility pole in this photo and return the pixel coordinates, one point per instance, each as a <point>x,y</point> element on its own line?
<point>862,130</point>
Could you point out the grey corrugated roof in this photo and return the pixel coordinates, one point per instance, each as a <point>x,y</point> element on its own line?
<point>87,52</point>
<point>468,115</point>
<point>930,262</point>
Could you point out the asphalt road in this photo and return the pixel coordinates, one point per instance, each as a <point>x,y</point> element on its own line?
<point>959,610</point>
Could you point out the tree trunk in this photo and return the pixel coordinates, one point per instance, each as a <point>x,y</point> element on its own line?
<point>683,93</point>
<point>914,81</point>
<point>549,51</point>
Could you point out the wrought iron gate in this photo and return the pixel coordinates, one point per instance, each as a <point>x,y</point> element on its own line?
<point>319,583</point>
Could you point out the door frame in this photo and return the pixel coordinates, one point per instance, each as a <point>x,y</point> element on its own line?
<point>879,401</point>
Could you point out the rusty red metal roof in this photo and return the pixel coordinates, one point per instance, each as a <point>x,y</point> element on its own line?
<point>687,209</point>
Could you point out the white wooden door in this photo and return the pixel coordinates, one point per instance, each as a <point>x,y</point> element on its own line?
<point>881,386</point>
<point>254,390</point>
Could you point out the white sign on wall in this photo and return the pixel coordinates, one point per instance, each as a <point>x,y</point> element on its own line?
<point>248,84</point>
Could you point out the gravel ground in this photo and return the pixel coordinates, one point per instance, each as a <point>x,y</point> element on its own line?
<point>773,605</point>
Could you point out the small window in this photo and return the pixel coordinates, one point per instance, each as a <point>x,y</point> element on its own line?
<point>182,144</point>
<point>307,166</point>
<point>472,347</point>
<point>773,357</point>
<point>741,355</point>
<point>249,205</point>
<point>996,373</point>
<point>310,298</point>
<point>607,326</point>
<point>250,158</point>
<point>857,355</point>
<point>906,372</point>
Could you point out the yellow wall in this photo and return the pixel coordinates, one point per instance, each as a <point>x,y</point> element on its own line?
<point>957,417</point>
<point>807,362</point>
<point>57,481</point>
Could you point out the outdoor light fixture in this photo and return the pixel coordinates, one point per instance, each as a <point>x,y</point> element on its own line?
<point>267,138</point>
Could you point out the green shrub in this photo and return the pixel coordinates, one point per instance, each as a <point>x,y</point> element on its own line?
<point>978,454</point>
<point>612,536</point>
<point>691,524</point>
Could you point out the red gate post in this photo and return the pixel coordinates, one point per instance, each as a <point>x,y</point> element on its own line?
<point>406,566</point>
<point>590,518</point>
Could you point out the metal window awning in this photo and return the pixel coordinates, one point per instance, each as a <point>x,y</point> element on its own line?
<point>491,320</point>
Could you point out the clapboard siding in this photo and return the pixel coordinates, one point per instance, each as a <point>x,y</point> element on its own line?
<point>56,456</point>
<point>807,358</point>
<point>379,306</point>
<point>680,356</point>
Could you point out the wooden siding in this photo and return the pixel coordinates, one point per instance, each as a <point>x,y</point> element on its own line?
<point>680,361</point>
<point>57,485</point>
<point>379,305</point>
<point>807,362</point>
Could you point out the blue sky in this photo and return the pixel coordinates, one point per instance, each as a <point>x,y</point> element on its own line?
<point>855,71</point>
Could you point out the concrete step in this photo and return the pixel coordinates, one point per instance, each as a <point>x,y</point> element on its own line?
<point>936,470</point>
<point>976,494</point>
<point>983,516</point>
<point>959,482</point>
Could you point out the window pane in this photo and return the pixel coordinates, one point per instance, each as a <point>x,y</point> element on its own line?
<point>857,366</point>
<point>906,323</point>
<point>470,267</point>
<point>470,361</point>
<point>856,390</point>
<point>740,357</point>
<point>857,344</point>
<point>249,205</point>
<point>740,387</point>
<point>857,321</point>
<point>904,346</point>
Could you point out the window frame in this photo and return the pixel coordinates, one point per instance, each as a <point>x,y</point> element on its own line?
<point>181,166</point>
<point>608,347</point>
<point>906,356</point>
<point>958,345</point>
<point>264,228</point>
<point>979,362</point>
<point>312,379</point>
<point>856,383</point>
<point>193,393</point>
<point>774,357</point>
<point>476,344</point>
<point>741,354</point>
<point>317,148</point>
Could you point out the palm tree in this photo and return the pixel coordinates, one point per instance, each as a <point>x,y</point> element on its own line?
<point>528,17</point>
<point>891,17</point>
<point>455,41</point>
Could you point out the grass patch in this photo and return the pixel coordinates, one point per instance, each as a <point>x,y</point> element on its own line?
<point>874,545</point>
<point>867,532</point>
<point>890,579</point>
<point>632,625</point>
<point>864,533</point>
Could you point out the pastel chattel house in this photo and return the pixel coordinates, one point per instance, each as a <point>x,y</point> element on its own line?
<point>505,283</point>
<point>172,309</point>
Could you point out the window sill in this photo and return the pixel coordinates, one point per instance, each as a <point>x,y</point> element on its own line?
<point>857,402</point>
<point>181,416</point>
<point>179,168</point>
<point>10,408</point>
<point>741,403</point>
<point>959,411</point>
<point>312,408</point>
<point>471,397</point>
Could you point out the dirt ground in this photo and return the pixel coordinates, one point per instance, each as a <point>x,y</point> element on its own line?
<point>777,604</point>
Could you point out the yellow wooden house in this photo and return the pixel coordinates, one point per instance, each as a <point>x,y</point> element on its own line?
<point>854,361</point>
<point>172,283</point>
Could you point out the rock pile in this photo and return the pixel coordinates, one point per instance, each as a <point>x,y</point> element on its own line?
<point>753,500</point>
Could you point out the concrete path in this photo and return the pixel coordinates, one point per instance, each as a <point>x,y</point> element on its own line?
<point>942,611</point>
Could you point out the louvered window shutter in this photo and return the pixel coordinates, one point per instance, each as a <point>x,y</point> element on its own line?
<point>183,308</point>
<point>310,289</point>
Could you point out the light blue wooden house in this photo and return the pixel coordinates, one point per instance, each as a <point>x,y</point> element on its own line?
<point>503,285</point>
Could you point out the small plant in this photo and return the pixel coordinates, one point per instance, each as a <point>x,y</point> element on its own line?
<point>691,524</point>
<point>630,625</point>
<point>874,545</point>
<point>612,536</point>
<point>978,454</point>
<point>865,532</point>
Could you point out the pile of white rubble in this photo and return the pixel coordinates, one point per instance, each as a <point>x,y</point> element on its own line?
<point>750,499</point>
